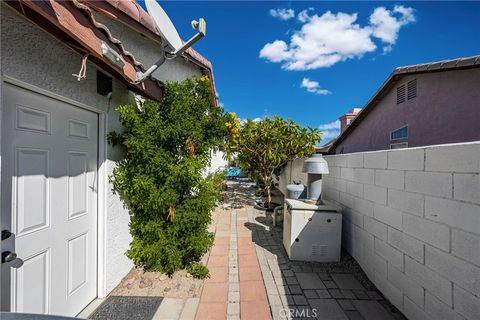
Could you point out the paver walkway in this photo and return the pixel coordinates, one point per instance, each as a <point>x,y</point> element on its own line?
<point>256,280</point>
<point>235,289</point>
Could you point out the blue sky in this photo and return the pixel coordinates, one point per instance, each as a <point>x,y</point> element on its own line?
<point>262,52</point>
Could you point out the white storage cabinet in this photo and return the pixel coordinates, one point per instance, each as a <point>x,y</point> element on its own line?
<point>312,232</point>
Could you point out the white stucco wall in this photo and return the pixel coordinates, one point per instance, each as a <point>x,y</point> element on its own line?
<point>36,57</point>
<point>217,162</point>
<point>148,52</point>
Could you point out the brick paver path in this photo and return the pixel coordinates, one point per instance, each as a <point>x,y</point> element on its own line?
<point>235,289</point>
<point>253,279</point>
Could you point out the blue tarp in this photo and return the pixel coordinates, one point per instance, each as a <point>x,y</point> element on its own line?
<point>233,172</point>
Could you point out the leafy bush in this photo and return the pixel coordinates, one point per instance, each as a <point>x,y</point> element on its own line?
<point>160,180</point>
<point>198,271</point>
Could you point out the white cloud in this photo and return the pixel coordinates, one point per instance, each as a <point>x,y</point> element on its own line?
<point>330,125</point>
<point>282,14</point>
<point>242,121</point>
<point>276,51</point>
<point>330,38</point>
<point>387,23</point>
<point>313,87</point>
<point>303,15</point>
<point>330,130</point>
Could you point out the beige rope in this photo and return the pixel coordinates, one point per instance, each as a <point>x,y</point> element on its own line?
<point>82,74</point>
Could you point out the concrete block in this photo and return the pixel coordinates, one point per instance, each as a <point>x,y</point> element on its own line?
<point>375,227</point>
<point>406,159</point>
<point>375,194</point>
<point>170,308</point>
<point>465,244</point>
<point>364,175</point>
<point>364,238</point>
<point>355,160</point>
<point>412,311</point>
<point>438,310</point>
<point>341,185</point>
<point>380,266</point>
<point>456,158</point>
<point>190,308</point>
<point>407,244</point>
<point>375,160</point>
<point>328,308</point>
<point>371,310</point>
<point>436,234</point>
<point>355,217</point>
<point>389,253</point>
<point>340,160</point>
<point>347,199</point>
<point>406,201</point>
<point>466,187</point>
<point>347,174</point>
<point>407,285</point>
<point>331,194</point>
<point>430,183</point>
<point>458,214</point>
<point>355,188</point>
<point>346,281</point>
<point>466,304</point>
<point>387,215</point>
<point>463,273</point>
<point>364,206</point>
<point>334,172</point>
<point>390,179</point>
<point>429,279</point>
<point>309,281</point>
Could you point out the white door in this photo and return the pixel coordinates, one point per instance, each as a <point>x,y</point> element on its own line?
<point>49,203</point>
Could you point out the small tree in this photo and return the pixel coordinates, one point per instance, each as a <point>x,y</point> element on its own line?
<point>161,179</point>
<point>263,147</point>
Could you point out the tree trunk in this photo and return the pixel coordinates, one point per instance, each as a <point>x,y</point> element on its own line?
<point>268,191</point>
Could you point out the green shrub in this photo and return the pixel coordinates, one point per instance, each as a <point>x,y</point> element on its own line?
<point>198,271</point>
<point>160,180</point>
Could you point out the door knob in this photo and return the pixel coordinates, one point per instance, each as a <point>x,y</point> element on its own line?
<point>6,234</point>
<point>8,256</point>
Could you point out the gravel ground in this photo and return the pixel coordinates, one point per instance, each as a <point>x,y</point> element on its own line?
<point>155,284</point>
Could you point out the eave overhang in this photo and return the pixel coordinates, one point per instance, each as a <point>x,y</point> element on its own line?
<point>76,27</point>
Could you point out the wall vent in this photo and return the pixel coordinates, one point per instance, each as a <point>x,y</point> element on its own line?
<point>401,94</point>
<point>412,89</point>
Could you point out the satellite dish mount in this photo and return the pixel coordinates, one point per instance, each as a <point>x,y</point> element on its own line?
<point>174,45</point>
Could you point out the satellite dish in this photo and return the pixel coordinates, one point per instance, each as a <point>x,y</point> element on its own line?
<point>164,25</point>
<point>174,45</point>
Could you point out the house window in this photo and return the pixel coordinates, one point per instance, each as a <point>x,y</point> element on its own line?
<point>401,94</point>
<point>401,145</point>
<point>398,134</point>
<point>412,89</point>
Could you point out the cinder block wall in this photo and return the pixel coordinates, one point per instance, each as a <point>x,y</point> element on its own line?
<point>411,218</point>
<point>290,173</point>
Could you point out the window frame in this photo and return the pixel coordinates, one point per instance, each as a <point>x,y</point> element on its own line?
<point>395,139</point>
<point>399,143</point>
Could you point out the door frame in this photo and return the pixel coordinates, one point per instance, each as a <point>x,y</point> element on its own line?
<point>102,181</point>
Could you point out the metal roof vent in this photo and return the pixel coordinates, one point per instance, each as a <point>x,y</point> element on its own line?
<point>315,165</point>
<point>412,89</point>
<point>401,94</point>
